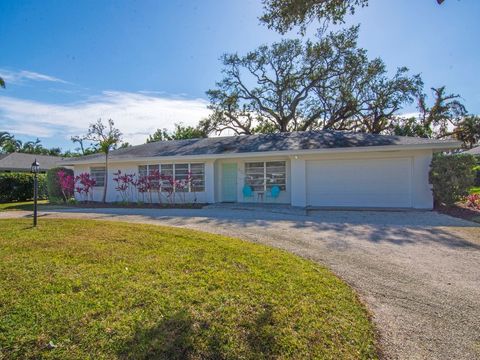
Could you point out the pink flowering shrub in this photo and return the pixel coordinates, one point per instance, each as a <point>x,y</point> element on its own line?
<point>473,201</point>
<point>83,184</point>
<point>124,185</point>
<point>67,184</point>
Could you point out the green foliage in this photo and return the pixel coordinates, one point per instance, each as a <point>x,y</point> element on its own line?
<point>2,83</point>
<point>284,15</point>
<point>19,186</point>
<point>292,85</point>
<point>181,132</point>
<point>9,144</point>
<point>451,176</point>
<point>53,184</point>
<point>103,290</point>
<point>468,131</point>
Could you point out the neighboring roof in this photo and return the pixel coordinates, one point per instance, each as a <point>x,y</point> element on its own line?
<point>285,142</point>
<point>474,151</point>
<point>22,162</point>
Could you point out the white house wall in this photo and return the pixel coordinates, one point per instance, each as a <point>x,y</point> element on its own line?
<point>296,184</point>
<point>113,195</point>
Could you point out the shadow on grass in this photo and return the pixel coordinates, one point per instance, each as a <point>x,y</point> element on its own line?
<point>181,337</point>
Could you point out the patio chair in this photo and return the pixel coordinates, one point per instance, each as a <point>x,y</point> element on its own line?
<point>274,192</point>
<point>247,192</point>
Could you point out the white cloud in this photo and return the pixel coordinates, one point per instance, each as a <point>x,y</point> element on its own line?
<point>137,115</point>
<point>17,77</point>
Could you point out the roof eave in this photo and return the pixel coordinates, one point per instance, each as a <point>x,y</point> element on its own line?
<point>440,146</point>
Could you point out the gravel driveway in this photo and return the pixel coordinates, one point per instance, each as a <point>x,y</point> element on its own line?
<point>418,272</point>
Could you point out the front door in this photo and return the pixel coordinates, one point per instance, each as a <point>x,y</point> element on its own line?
<point>229,182</point>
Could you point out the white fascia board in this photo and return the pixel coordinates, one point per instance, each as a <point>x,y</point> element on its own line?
<point>288,153</point>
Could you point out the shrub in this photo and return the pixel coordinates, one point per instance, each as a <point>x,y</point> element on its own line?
<point>19,187</point>
<point>53,183</point>
<point>451,176</point>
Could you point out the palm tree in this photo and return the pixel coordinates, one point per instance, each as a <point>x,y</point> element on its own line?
<point>2,83</point>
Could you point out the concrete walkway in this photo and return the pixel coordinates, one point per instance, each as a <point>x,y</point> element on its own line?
<point>418,272</point>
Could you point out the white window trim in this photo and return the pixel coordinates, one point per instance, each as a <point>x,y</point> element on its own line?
<point>173,171</point>
<point>265,172</point>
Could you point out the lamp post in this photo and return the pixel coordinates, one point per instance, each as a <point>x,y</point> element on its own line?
<point>35,169</point>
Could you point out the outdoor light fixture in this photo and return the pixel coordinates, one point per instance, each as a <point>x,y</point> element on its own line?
<point>35,169</point>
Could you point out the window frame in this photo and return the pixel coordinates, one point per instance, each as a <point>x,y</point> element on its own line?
<point>93,169</point>
<point>171,168</point>
<point>266,186</point>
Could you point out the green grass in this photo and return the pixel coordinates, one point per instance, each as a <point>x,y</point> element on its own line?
<point>107,290</point>
<point>475,190</point>
<point>20,205</point>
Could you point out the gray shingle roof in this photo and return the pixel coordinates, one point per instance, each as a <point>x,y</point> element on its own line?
<point>302,140</point>
<point>474,151</point>
<point>22,162</point>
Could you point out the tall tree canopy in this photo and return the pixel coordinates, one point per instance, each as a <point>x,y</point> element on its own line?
<point>283,15</point>
<point>181,132</point>
<point>2,83</point>
<point>294,86</point>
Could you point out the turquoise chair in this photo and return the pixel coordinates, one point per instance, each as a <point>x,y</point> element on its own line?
<point>247,192</point>
<point>274,192</point>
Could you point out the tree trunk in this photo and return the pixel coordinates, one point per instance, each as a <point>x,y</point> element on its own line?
<point>105,181</point>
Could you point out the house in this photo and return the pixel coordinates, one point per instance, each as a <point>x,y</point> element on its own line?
<point>20,162</point>
<point>311,169</point>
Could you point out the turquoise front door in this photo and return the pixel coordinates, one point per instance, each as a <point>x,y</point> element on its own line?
<point>229,182</point>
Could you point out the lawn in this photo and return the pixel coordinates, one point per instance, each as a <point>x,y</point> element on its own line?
<point>76,289</point>
<point>21,205</point>
<point>475,190</point>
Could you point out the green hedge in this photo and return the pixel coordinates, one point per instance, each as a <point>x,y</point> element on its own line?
<point>451,176</point>
<point>19,187</point>
<point>53,185</point>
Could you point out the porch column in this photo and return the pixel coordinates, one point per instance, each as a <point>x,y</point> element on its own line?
<point>210,182</point>
<point>298,186</point>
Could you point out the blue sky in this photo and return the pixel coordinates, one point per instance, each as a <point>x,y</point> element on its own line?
<point>147,64</point>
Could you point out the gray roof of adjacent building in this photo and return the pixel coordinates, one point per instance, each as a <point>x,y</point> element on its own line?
<point>263,143</point>
<point>22,162</point>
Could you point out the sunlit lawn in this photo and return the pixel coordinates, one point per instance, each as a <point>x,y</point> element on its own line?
<point>21,205</point>
<point>78,289</point>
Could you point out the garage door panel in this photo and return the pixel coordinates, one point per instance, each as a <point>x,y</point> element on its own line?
<point>360,183</point>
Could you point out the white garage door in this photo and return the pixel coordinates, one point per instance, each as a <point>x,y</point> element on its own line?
<point>360,183</point>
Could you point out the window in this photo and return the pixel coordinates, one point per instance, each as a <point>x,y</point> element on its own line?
<point>181,173</point>
<point>255,175</point>
<point>276,174</point>
<point>98,174</point>
<point>178,172</point>
<point>198,177</point>
<point>166,170</point>
<point>262,176</point>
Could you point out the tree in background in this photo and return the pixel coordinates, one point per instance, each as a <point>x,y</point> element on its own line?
<point>284,15</point>
<point>295,86</point>
<point>2,83</point>
<point>105,138</point>
<point>9,144</point>
<point>468,131</point>
<point>83,149</point>
<point>446,117</point>
<point>181,132</point>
